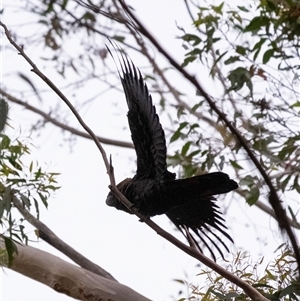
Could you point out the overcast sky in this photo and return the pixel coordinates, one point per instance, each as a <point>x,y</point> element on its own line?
<point>129,250</point>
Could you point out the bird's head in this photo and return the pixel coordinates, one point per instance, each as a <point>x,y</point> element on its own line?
<point>113,201</point>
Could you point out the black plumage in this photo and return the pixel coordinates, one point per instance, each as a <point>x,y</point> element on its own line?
<point>189,203</point>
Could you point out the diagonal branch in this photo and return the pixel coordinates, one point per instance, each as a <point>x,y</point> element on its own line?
<point>48,118</point>
<point>50,237</point>
<point>268,210</point>
<point>65,277</point>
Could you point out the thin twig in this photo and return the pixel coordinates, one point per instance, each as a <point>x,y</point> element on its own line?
<point>268,210</point>
<point>48,118</point>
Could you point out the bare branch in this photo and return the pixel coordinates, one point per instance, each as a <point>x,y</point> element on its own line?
<point>265,208</point>
<point>47,235</point>
<point>67,278</point>
<point>48,118</point>
<point>271,212</point>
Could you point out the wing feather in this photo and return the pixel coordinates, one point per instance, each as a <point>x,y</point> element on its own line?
<point>201,216</point>
<point>146,131</point>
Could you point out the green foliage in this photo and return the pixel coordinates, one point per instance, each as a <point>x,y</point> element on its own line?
<point>10,250</point>
<point>238,77</point>
<point>193,158</point>
<point>251,53</point>
<point>28,184</point>
<point>276,281</point>
<point>3,114</point>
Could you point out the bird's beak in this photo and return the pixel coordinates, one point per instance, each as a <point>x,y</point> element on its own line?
<point>111,201</point>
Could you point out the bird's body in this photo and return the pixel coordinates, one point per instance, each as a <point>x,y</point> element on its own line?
<point>171,193</point>
<point>189,203</point>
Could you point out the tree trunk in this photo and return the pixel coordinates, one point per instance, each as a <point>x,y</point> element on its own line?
<point>67,278</point>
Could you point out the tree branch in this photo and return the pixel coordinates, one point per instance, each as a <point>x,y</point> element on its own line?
<point>50,237</point>
<point>48,118</point>
<point>67,278</point>
<point>268,210</point>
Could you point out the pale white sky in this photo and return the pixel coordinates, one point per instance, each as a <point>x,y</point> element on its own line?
<point>134,254</point>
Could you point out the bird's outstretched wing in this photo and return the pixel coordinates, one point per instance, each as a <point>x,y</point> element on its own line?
<point>146,131</point>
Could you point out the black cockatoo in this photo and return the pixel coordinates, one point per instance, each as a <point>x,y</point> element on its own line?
<point>188,203</point>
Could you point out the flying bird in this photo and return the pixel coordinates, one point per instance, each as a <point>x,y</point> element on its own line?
<point>188,203</point>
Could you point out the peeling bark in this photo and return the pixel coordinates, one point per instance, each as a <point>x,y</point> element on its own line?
<point>67,278</point>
